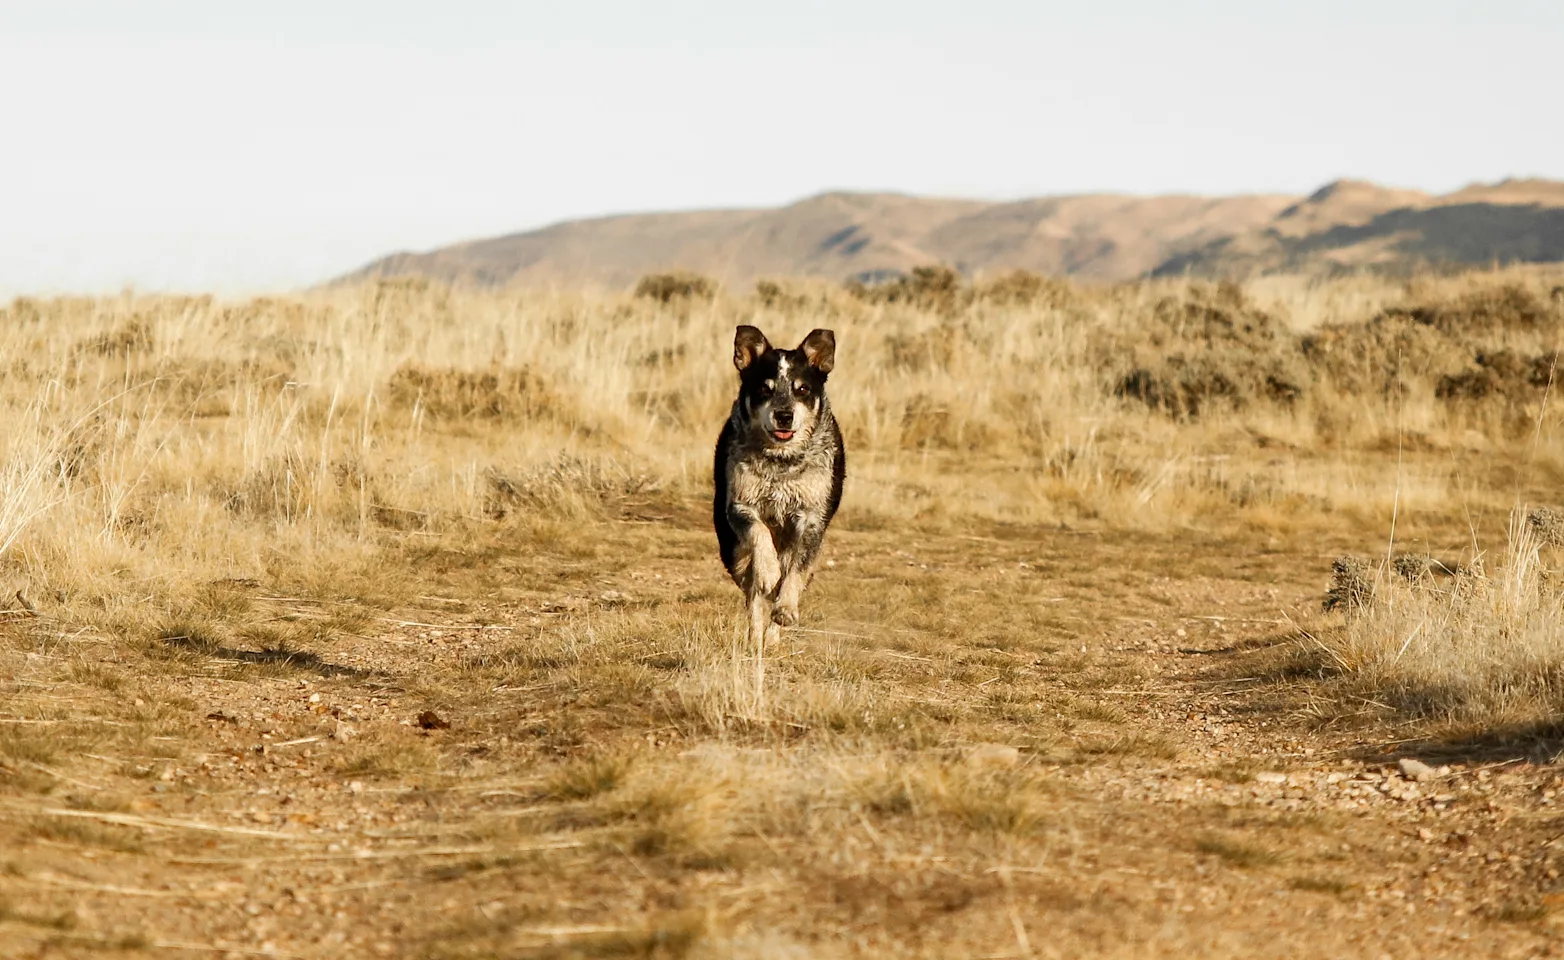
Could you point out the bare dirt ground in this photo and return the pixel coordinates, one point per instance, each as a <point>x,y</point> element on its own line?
<point>984,741</point>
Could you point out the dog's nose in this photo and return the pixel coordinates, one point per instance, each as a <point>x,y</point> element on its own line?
<point>784,418</point>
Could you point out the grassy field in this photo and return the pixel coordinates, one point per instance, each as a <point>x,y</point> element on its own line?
<point>387,621</point>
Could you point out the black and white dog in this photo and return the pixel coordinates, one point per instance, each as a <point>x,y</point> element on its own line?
<point>779,472</point>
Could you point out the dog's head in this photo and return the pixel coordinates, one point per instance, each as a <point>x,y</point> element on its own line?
<point>781,392</point>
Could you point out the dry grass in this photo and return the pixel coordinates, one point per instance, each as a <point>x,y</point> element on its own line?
<point>431,568</point>
<point>1480,646</point>
<point>415,407</point>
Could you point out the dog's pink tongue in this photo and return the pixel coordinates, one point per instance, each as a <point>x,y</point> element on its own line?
<point>782,434</point>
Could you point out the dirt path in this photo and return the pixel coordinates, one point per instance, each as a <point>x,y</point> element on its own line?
<point>994,742</point>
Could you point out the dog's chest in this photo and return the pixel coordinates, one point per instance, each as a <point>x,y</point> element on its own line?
<point>779,491</point>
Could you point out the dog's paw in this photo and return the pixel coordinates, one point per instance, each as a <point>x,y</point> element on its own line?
<point>784,615</point>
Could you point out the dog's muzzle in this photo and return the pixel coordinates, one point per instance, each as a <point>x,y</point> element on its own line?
<point>782,425</point>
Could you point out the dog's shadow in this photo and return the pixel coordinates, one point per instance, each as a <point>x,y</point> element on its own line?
<point>302,660</point>
<point>1540,743</point>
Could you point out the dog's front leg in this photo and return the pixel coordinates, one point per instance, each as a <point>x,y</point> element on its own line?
<point>798,569</point>
<point>760,569</point>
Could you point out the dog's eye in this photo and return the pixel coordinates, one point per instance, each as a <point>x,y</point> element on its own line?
<point>802,389</point>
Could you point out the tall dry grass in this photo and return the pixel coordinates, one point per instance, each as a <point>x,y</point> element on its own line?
<point>1477,645</point>
<point>154,444</point>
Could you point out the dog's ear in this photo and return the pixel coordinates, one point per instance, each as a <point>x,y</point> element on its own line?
<point>748,343</point>
<point>820,348</point>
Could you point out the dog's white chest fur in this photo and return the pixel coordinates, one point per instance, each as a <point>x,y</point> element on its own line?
<point>778,490</point>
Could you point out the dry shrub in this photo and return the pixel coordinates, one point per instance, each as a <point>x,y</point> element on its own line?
<point>1420,568</point>
<point>264,312</point>
<point>1022,288</point>
<point>1210,347</point>
<point>1481,312</point>
<point>130,338</point>
<point>1466,347</point>
<point>774,294</point>
<point>1216,316</point>
<point>770,293</point>
<point>800,296</point>
<point>22,311</point>
<point>1547,525</point>
<point>1377,358</point>
<point>1501,374</point>
<point>502,394</point>
<point>1354,580</point>
<point>934,288</point>
<point>1351,584</point>
<point>678,285</point>
<point>411,298</point>
<point>942,289</point>
<point>211,386</point>
<point>1485,645</point>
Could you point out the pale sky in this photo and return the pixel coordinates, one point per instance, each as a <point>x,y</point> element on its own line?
<point>236,147</point>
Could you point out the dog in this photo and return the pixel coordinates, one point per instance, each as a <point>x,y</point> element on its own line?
<point>779,471</point>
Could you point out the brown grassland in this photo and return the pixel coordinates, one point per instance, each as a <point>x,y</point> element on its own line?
<point>386,621</point>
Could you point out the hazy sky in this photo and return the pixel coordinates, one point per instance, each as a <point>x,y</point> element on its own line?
<point>228,146</point>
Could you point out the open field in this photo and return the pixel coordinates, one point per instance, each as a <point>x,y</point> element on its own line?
<point>387,621</point>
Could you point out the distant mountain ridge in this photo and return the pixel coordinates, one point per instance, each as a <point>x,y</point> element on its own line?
<point>1345,225</point>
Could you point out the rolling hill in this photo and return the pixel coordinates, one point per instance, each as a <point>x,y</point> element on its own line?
<point>1345,225</point>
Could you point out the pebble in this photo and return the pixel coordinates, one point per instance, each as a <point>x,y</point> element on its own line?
<point>1270,776</point>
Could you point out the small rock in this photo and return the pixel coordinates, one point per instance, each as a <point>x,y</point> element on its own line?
<point>344,732</point>
<point>1270,776</point>
<point>429,720</point>
<point>357,786</point>
<point>993,755</point>
<point>1416,769</point>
